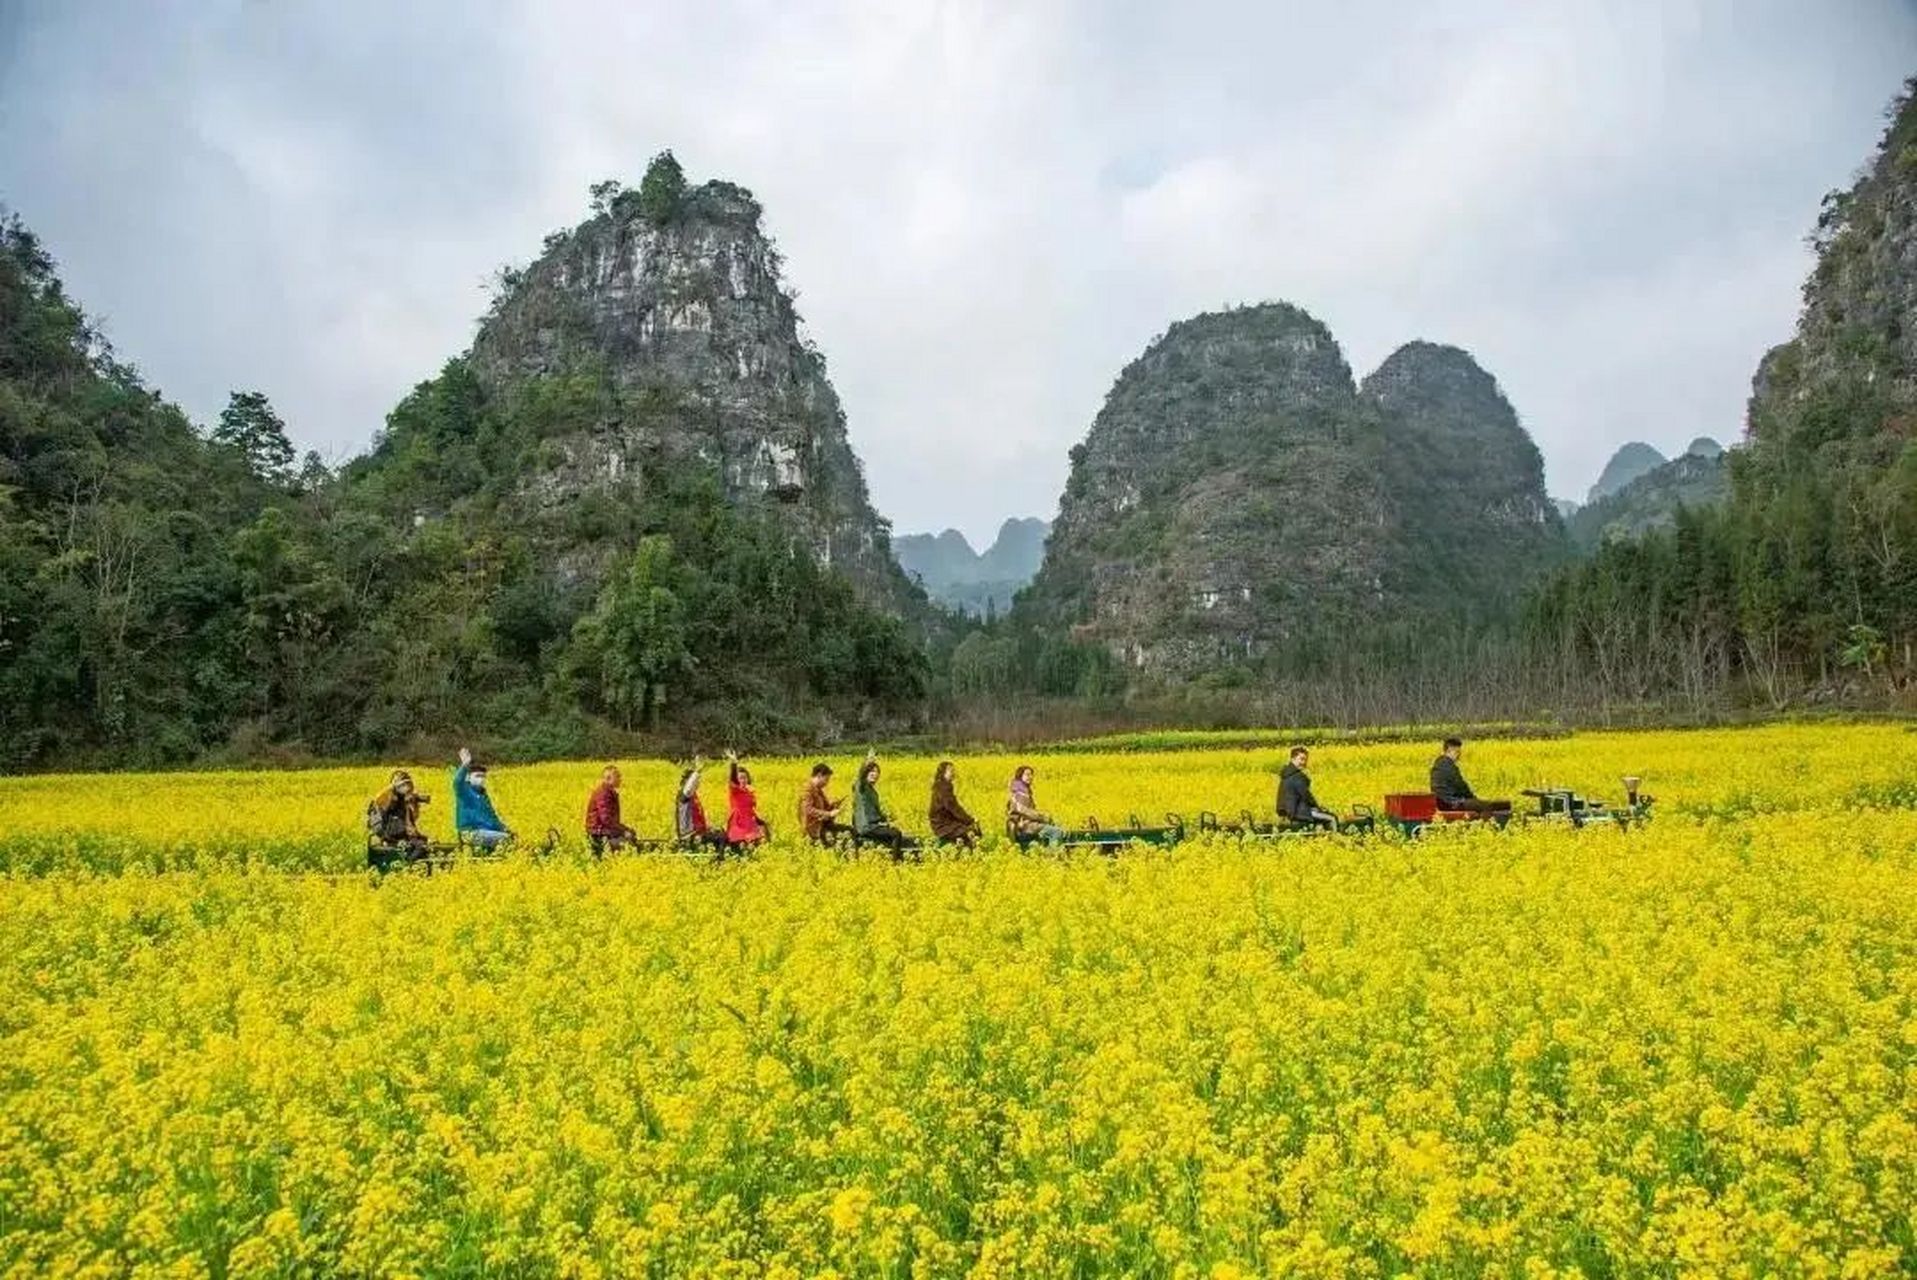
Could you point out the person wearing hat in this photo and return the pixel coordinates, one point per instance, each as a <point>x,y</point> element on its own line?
<point>393,816</point>
<point>474,817</point>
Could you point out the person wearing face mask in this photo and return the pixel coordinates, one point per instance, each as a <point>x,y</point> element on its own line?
<point>393,815</point>
<point>474,817</point>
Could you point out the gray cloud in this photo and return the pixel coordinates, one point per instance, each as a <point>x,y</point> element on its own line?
<point>987,208</point>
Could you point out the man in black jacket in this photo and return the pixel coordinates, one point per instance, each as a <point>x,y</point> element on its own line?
<point>1453,792</point>
<point>1295,801</point>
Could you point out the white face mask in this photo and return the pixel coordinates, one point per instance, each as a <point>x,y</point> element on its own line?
<point>479,781</point>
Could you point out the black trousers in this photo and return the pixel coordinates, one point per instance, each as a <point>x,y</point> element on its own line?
<point>890,837</point>
<point>1475,805</point>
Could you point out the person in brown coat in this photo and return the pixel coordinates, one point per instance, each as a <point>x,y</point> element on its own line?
<point>819,813</point>
<point>950,822</point>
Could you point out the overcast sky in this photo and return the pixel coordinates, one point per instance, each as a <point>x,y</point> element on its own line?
<point>986,208</point>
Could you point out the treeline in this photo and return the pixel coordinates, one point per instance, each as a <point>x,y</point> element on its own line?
<point>1803,585</point>
<point>166,595</point>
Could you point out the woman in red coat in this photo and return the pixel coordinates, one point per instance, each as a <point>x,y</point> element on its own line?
<point>744,826</point>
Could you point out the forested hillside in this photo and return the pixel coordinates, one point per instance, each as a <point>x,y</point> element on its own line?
<point>1697,478</point>
<point>1804,582</point>
<point>129,565</point>
<point>539,553</point>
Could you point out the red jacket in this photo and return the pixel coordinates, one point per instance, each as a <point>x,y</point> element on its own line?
<point>602,811</point>
<point>743,822</point>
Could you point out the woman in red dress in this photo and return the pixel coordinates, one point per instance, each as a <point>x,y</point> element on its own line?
<point>744,826</point>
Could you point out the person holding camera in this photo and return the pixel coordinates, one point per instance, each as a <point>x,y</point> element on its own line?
<point>394,815</point>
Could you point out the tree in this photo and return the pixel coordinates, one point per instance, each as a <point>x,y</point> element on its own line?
<point>661,190</point>
<point>983,666</point>
<point>604,195</point>
<point>314,474</point>
<point>1863,648</point>
<point>249,424</point>
<point>633,646</point>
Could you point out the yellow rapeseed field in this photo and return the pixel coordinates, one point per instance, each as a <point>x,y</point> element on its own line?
<point>1687,1048</point>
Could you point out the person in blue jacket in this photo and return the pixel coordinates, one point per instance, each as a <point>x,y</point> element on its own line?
<point>474,817</point>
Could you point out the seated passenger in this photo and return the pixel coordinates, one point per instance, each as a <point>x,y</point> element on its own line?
<point>689,815</point>
<point>1452,791</point>
<point>818,812</point>
<point>948,818</point>
<point>1022,815</point>
<point>869,820</point>
<point>603,825</point>
<point>474,817</point>
<point>1296,804</point>
<point>393,816</point>
<point>744,826</point>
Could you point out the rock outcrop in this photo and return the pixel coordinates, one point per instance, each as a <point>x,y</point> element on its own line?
<point>1465,483</point>
<point>683,310</point>
<point>1238,496</point>
<point>1227,498</point>
<point>1847,381</point>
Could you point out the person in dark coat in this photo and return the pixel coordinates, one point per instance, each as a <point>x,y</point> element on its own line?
<point>1449,786</point>
<point>948,818</point>
<point>1295,801</point>
<point>870,823</point>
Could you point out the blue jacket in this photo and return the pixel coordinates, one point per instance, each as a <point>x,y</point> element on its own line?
<point>472,808</point>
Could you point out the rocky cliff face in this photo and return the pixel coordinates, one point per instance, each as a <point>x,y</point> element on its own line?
<point>1227,498</point>
<point>686,315</point>
<point>1847,382</point>
<point>1238,495</point>
<point>1464,480</point>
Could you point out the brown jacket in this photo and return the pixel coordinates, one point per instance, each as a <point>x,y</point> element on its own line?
<point>398,815</point>
<point>815,809</point>
<point>948,817</point>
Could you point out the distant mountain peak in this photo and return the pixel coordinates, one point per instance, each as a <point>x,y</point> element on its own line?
<point>1627,464</point>
<point>956,576</point>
